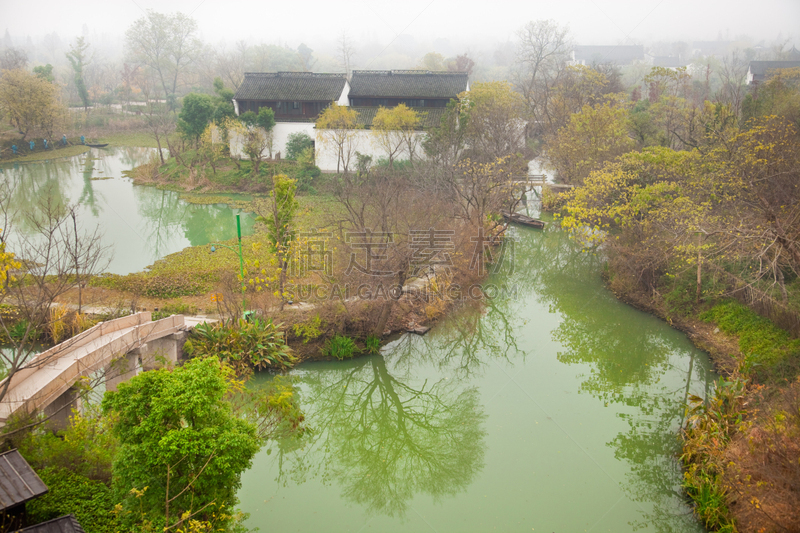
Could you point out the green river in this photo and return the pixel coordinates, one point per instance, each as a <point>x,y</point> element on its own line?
<point>141,224</point>
<point>552,407</point>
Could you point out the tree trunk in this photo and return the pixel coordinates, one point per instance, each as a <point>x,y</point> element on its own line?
<point>699,269</point>
<point>75,256</point>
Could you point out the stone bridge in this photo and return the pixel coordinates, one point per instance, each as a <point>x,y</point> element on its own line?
<point>115,351</point>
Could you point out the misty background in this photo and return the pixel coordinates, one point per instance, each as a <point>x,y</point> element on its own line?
<point>429,34</point>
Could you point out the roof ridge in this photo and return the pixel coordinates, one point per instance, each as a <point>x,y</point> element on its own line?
<point>292,74</point>
<point>413,72</point>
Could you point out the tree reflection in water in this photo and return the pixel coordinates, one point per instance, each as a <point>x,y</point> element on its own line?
<point>385,440</point>
<point>634,364</point>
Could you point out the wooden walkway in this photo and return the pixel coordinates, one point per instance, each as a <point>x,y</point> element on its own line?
<point>54,371</point>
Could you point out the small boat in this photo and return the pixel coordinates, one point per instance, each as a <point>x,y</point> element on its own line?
<point>97,145</point>
<point>519,218</point>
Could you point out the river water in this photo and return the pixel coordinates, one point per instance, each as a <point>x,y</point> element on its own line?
<point>552,407</point>
<point>140,224</point>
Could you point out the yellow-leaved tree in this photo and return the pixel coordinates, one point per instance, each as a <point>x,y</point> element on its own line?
<point>7,263</point>
<point>338,126</point>
<point>395,131</point>
<point>494,114</point>
<point>30,102</point>
<point>595,135</point>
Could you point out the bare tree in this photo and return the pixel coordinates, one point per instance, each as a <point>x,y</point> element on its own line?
<point>166,44</point>
<point>52,255</point>
<point>345,53</point>
<point>542,54</point>
<point>13,58</point>
<point>161,123</point>
<point>732,73</point>
<point>87,253</point>
<point>231,64</point>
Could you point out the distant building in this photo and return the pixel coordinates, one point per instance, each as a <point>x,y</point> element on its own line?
<point>292,96</point>
<point>298,98</point>
<point>672,62</point>
<point>759,71</point>
<point>711,48</point>
<point>414,88</point>
<point>615,55</point>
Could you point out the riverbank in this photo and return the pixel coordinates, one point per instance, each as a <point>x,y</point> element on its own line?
<point>740,447</point>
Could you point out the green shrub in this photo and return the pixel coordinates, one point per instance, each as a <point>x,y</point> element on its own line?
<point>768,349</point>
<point>310,329</point>
<point>174,309</point>
<point>297,143</point>
<point>87,447</point>
<point>340,347</point>
<point>258,344</point>
<point>92,502</point>
<point>372,344</point>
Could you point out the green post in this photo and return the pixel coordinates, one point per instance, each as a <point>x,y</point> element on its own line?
<point>241,261</point>
<point>241,265</point>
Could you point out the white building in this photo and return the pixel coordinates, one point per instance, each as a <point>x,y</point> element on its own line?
<point>297,98</point>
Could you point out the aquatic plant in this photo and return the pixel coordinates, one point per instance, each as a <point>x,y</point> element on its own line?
<point>259,344</point>
<point>372,344</point>
<point>341,347</point>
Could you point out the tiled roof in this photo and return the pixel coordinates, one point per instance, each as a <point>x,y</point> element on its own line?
<point>431,116</point>
<point>18,482</point>
<point>64,524</point>
<point>668,61</point>
<point>291,86</point>
<point>621,55</point>
<point>760,69</point>
<point>407,84</point>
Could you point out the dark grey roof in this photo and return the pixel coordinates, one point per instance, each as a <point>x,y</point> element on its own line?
<point>760,69</point>
<point>407,84</point>
<point>668,61</point>
<point>63,524</point>
<point>620,55</point>
<point>18,482</point>
<point>431,116</point>
<point>291,86</point>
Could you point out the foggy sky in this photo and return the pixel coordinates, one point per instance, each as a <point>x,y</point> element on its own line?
<point>291,22</point>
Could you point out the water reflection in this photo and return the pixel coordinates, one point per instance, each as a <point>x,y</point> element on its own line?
<point>482,331</point>
<point>384,439</point>
<point>142,224</point>
<point>553,406</point>
<point>640,365</point>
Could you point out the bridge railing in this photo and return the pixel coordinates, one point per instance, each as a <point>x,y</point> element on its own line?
<point>62,371</point>
<point>81,339</point>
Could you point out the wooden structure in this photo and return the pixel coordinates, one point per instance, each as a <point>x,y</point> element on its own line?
<point>519,218</point>
<point>18,482</point>
<point>63,524</point>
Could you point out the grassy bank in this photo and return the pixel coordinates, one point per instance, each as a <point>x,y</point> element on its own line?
<point>740,454</point>
<point>67,151</point>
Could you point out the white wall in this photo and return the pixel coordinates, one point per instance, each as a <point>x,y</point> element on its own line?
<point>280,136</point>
<point>327,154</point>
<point>282,130</point>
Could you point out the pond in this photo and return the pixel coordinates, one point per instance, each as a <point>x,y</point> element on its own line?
<point>552,407</point>
<point>141,224</point>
